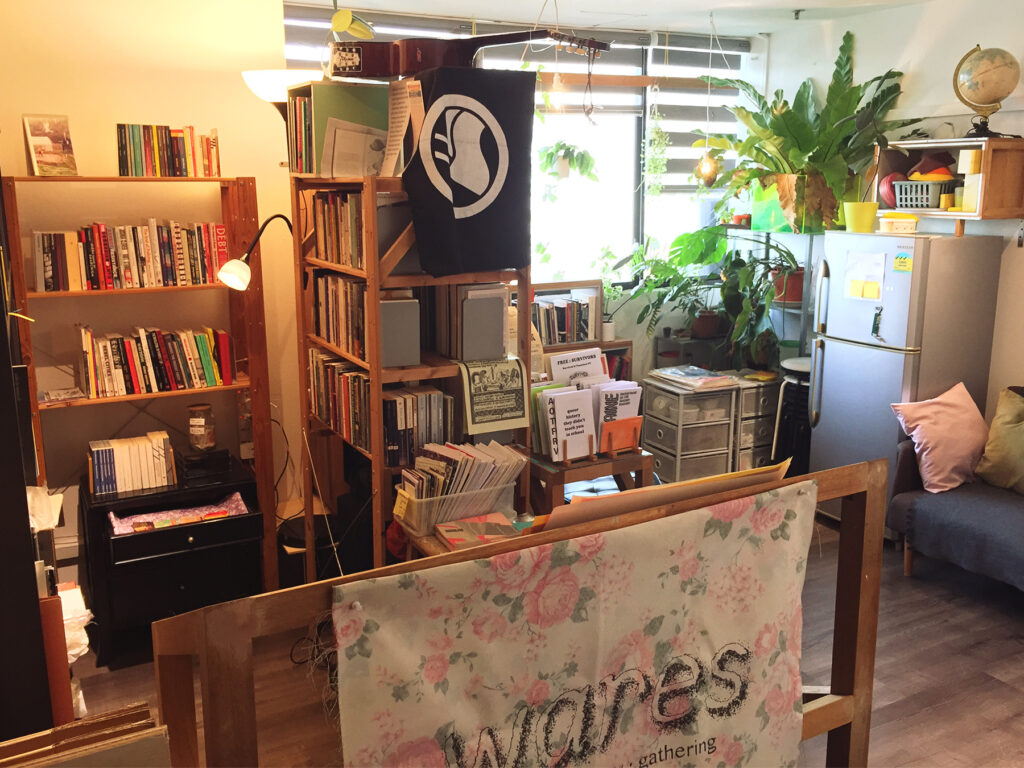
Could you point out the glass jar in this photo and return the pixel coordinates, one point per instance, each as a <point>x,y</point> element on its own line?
<point>202,435</point>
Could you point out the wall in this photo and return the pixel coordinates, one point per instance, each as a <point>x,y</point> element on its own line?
<point>127,61</point>
<point>925,41</point>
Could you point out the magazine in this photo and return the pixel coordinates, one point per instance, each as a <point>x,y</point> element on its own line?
<point>49,145</point>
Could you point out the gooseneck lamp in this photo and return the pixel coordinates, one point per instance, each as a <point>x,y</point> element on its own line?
<point>236,273</point>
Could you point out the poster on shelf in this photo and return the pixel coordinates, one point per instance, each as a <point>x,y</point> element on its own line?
<point>675,641</point>
<point>494,393</point>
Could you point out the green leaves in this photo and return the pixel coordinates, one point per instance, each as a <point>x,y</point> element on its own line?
<point>576,159</point>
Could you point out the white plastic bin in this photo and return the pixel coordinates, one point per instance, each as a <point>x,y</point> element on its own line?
<point>421,515</point>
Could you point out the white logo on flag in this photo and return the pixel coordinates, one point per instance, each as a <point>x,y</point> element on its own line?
<point>451,147</point>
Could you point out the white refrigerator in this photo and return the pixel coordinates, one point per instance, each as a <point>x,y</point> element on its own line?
<point>896,318</point>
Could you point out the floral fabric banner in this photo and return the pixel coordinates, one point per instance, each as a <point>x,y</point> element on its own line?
<point>672,642</point>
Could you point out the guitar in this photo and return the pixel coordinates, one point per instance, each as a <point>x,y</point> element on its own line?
<point>407,57</point>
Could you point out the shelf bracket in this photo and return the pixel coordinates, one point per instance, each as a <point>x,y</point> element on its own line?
<point>397,250</point>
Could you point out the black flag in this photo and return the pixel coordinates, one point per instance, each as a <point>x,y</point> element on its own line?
<point>469,181</point>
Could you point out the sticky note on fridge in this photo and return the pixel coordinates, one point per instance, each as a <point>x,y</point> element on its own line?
<point>903,263</point>
<point>857,289</point>
<point>871,290</point>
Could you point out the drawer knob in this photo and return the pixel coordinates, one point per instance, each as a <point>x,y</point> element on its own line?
<point>764,400</point>
<point>191,540</point>
<point>661,433</point>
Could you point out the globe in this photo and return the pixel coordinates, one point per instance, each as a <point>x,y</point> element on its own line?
<point>987,76</point>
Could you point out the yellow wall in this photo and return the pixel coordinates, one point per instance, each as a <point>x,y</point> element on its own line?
<point>139,61</point>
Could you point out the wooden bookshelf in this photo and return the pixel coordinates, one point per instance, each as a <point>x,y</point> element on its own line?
<point>78,402</point>
<point>378,273</point>
<point>238,212</point>
<point>125,291</point>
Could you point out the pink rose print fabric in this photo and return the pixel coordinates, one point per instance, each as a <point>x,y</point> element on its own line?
<point>672,642</point>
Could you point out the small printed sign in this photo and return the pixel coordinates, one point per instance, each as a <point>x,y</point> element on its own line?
<point>903,262</point>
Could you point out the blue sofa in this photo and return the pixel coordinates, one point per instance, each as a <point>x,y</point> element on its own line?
<point>977,526</point>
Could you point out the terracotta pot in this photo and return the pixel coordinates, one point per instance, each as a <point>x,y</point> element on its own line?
<point>791,288</point>
<point>705,325</point>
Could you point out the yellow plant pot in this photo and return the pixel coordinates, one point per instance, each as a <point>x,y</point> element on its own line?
<point>860,217</point>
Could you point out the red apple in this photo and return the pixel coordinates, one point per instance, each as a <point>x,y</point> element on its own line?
<point>886,190</point>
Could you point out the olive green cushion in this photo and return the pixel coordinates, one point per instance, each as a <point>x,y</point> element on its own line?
<point>1002,464</point>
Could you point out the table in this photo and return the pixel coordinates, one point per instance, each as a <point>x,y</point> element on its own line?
<point>548,479</point>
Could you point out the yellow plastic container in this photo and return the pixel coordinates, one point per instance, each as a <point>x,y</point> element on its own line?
<point>860,217</point>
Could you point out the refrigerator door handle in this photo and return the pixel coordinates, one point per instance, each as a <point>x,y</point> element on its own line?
<point>817,369</point>
<point>823,275</point>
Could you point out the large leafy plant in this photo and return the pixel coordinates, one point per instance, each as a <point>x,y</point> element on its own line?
<point>704,263</point>
<point>835,139</point>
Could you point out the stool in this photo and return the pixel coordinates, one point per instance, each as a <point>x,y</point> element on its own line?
<point>548,479</point>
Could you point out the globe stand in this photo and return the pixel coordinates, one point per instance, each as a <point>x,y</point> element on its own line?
<point>980,130</point>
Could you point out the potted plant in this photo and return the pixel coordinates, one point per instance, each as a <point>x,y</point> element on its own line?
<point>702,272</point>
<point>561,157</point>
<point>810,152</point>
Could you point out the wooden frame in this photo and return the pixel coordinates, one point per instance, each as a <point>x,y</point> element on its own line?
<point>247,323</point>
<point>377,273</point>
<point>222,636</point>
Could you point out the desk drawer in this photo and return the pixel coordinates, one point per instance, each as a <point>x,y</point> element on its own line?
<point>758,401</point>
<point>755,432</point>
<point>679,440</point>
<point>752,458</point>
<point>686,407</point>
<point>672,469</point>
<point>185,538</point>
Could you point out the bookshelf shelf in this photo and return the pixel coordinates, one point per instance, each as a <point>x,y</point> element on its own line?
<point>122,179</point>
<point>78,402</point>
<point>124,291</point>
<point>432,366</point>
<point>328,347</point>
<point>243,318</point>
<point>329,461</point>
<point>339,268</point>
<point>323,426</point>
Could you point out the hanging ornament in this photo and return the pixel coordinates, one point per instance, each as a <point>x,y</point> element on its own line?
<point>708,169</point>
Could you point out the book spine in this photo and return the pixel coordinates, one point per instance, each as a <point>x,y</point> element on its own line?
<point>214,153</point>
<point>124,262</point>
<point>61,261</point>
<point>46,254</point>
<point>170,354</point>
<point>167,375</point>
<point>220,239</point>
<point>152,248</point>
<point>130,364</point>
<point>227,363</point>
<point>166,255</point>
<point>99,232</point>
<point>91,263</point>
<point>178,353</point>
<point>181,268</point>
<point>157,156</point>
<point>139,353</point>
<point>147,150</point>
<point>122,150</point>
<point>159,368</point>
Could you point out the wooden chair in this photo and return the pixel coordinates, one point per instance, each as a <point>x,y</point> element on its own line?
<point>222,636</point>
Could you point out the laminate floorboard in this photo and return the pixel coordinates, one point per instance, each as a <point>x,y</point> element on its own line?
<point>949,672</point>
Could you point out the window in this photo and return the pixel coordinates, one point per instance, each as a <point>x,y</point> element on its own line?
<point>576,220</point>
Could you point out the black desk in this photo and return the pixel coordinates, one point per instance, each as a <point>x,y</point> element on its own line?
<point>135,579</point>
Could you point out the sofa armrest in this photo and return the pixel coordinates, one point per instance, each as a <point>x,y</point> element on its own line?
<point>907,477</point>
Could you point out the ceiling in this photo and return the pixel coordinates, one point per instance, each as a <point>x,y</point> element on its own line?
<point>738,17</point>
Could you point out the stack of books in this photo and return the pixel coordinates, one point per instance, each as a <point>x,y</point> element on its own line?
<point>339,396</point>
<point>154,361</point>
<point>565,319</point>
<point>131,464</point>
<point>449,469</point>
<point>340,316</point>
<point>693,378</point>
<point>106,257</point>
<point>338,218</point>
<point>159,150</point>
<point>414,417</point>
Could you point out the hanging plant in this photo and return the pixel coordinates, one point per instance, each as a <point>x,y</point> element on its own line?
<point>655,153</point>
<point>560,158</point>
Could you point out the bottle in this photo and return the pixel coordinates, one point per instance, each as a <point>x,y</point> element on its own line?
<point>202,435</point>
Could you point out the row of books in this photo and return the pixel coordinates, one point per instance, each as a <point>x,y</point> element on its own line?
<point>159,150</point>
<point>573,412</point>
<point>154,361</point>
<point>300,135</point>
<point>131,464</point>
<point>340,316</point>
<point>338,219</point>
<point>619,363</point>
<point>339,396</point>
<point>448,469</point>
<point>105,257</point>
<point>413,417</point>
<point>565,320</point>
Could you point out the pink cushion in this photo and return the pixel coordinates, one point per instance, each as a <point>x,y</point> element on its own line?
<point>949,435</point>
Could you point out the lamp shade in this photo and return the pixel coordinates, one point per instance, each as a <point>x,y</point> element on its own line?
<point>272,84</point>
<point>235,274</point>
<point>346,21</point>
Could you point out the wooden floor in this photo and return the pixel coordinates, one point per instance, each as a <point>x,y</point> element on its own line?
<point>949,682</point>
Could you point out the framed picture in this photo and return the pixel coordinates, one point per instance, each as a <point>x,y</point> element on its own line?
<point>49,145</point>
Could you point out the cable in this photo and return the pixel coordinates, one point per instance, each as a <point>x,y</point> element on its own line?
<point>287,461</point>
<point>316,482</point>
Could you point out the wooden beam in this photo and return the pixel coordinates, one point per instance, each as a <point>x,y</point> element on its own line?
<point>826,713</point>
<point>397,250</point>
<point>176,699</point>
<point>626,81</point>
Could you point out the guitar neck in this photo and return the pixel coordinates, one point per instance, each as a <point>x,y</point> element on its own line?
<point>470,46</point>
